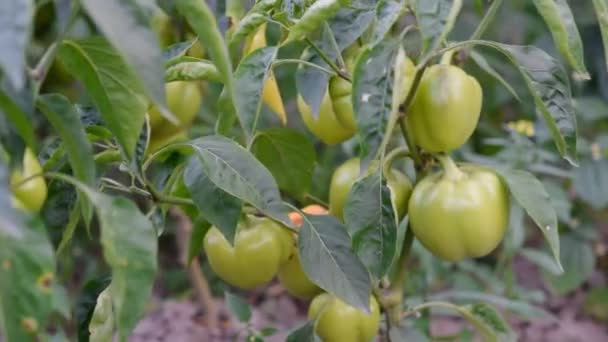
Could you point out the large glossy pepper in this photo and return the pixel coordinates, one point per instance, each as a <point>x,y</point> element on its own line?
<point>271,94</point>
<point>184,100</point>
<point>340,91</point>
<point>291,275</point>
<point>337,321</point>
<point>32,193</point>
<point>445,110</point>
<point>460,212</point>
<point>347,174</point>
<point>261,246</point>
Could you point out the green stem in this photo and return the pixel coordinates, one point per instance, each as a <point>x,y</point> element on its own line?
<point>299,61</point>
<point>410,142</point>
<point>450,169</point>
<point>396,293</point>
<point>487,19</point>
<point>327,60</point>
<point>446,59</point>
<point>316,199</point>
<point>393,155</point>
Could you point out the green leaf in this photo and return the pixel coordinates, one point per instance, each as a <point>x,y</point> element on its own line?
<point>532,196</point>
<point>60,112</point>
<point>349,24</point>
<point>223,211</point>
<point>238,307</point>
<point>129,247</point>
<point>289,156</point>
<point>86,303</point>
<point>482,63</point>
<point>113,87</point>
<point>372,98</point>
<point>199,230</point>
<point>435,20</point>
<point>246,26</point>
<point>601,11</point>
<point>328,260</point>
<point>202,20</point>
<point>304,333</point>
<point>66,121</point>
<point>312,19</point>
<point>560,200</point>
<point>549,85</point>
<point>18,117</point>
<point>591,183</point>
<point>177,50</point>
<point>519,307</point>
<point>27,272</point>
<point>387,13</point>
<point>489,322</point>
<point>15,21</point>
<point>579,265</point>
<point>127,27</point>
<point>192,69</point>
<point>559,19</point>
<point>371,221</point>
<point>249,80</point>
<point>102,323</point>
<point>235,170</point>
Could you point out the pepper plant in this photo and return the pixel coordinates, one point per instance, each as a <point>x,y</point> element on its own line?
<point>123,122</point>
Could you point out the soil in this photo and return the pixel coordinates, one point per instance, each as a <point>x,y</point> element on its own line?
<point>183,321</point>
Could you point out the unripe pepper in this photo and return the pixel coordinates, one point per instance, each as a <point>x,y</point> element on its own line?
<point>460,212</point>
<point>340,322</point>
<point>32,193</point>
<point>445,109</point>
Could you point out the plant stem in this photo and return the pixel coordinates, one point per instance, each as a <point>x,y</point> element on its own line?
<point>316,199</point>
<point>483,26</point>
<point>396,292</point>
<point>451,171</point>
<point>393,155</point>
<point>410,142</point>
<point>307,63</point>
<point>197,278</point>
<point>327,60</point>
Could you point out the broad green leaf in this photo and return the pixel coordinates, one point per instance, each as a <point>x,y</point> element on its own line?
<point>85,305</point>
<point>18,117</point>
<point>15,19</point>
<point>235,170</point>
<point>312,19</point>
<point>579,265</point>
<point>127,27</point>
<point>328,260</point>
<point>532,196</point>
<point>304,333</point>
<point>488,321</point>
<point>249,81</point>
<point>372,98</point>
<point>482,63</point>
<point>102,323</point>
<point>349,24</point>
<point>312,82</point>
<point>559,19</point>
<point>66,121</point>
<point>223,211</point>
<point>435,20</point>
<point>371,221</point>
<point>549,85</point>
<point>129,247</point>
<point>560,200</point>
<point>176,51</point>
<point>591,183</point>
<point>192,69</point>
<point>238,307</point>
<point>289,156</point>
<point>27,272</point>
<point>202,20</point>
<point>246,26</point>
<point>387,13</point>
<point>542,260</point>
<point>113,87</point>
<point>601,11</point>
